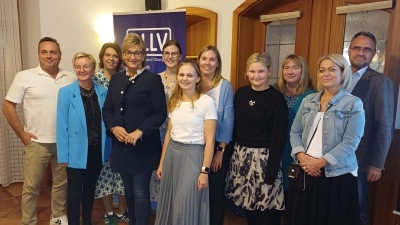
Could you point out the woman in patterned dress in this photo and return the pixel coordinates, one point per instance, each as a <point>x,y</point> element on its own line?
<point>110,182</point>
<point>261,115</point>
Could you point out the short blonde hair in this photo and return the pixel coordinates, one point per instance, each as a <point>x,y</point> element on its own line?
<point>130,40</point>
<point>263,58</point>
<point>305,80</point>
<point>84,55</point>
<point>344,66</point>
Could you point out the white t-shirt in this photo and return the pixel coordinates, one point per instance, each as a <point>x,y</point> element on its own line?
<point>215,92</point>
<point>38,92</point>
<point>188,122</point>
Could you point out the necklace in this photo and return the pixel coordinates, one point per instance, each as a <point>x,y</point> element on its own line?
<point>86,93</point>
<point>168,86</point>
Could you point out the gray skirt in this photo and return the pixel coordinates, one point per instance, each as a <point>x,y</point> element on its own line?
<point>179,202</point>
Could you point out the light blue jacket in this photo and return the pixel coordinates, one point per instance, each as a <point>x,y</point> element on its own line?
<point>226,116</point>
<point>72,137</point>
<point>342,126</point>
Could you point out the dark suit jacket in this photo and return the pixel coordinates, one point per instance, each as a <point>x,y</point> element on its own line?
<point>377,94</point>
<point>138,105</point>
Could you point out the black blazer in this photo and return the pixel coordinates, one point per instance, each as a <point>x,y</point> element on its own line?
<point>139,104</point>
<point>377,94</point>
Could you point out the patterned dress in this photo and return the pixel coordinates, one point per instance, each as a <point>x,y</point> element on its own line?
<point>109,182</point>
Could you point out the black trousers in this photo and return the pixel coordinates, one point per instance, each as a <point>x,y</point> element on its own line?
<point>81,187</point>
<point>217,187</point>
<point>268,217</point>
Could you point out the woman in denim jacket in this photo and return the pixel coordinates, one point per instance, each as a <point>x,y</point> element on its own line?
<point>324,137</point>
<point>215,86</point>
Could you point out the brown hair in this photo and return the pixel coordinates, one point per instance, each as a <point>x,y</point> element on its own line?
<point>304,82</point>
<point>103,51</point>
<point>176,96</point>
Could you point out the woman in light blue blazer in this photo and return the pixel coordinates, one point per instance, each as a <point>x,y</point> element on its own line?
<point>81,137</point>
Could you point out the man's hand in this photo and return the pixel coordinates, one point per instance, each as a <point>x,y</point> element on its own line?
<point>26,137</point>
<point>374,174</point>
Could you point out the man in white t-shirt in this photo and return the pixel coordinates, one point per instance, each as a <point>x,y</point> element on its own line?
<point>37,90</point>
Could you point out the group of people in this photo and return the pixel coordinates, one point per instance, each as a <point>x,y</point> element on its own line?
<point>108,131</point>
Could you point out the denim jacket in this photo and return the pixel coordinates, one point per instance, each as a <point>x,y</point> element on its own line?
<point>342,126</point>
<point>225,113</point>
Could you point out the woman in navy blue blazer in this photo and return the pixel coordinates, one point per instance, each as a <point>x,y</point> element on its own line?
<point>134,110</point>
<point>81,137</point>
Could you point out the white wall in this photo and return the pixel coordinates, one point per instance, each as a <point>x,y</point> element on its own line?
<point>75,24</point>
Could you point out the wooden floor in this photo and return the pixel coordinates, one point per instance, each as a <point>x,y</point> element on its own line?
<point>10,208</point>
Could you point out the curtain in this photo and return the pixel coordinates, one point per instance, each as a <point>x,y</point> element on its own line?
<point>11,148</point>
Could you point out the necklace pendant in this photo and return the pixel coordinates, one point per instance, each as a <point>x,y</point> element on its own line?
<point>251,102</point>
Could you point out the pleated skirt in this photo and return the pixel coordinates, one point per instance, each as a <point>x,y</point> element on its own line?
<point>326,200</point>
<point>179,201</point>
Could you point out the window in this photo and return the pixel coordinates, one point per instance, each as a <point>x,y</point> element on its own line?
<point>280,40</point>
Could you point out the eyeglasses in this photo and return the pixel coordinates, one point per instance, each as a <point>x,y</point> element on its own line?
<point>364,50</point>
<point>173,54</point>
<point>84,67</point>
<point>137,54</point>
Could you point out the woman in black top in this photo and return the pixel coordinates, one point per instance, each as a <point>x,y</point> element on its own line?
<point>133,111</point>
<point>261,115</point>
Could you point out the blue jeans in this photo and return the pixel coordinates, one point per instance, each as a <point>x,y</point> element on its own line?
<point>137,194</point>
<point>363,188</point>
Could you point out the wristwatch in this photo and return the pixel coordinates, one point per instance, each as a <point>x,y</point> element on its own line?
<point>205,169</point>
<point>221,149</point>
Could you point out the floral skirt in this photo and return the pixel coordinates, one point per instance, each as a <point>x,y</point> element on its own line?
<point>245,181</point>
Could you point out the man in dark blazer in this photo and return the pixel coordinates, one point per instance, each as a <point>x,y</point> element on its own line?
<point>377,94</point>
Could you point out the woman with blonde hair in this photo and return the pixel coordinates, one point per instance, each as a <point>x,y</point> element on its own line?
<point>324,136</point>
<point>133,111</point>
<point>261,116</point>
<point>215,86</point>
<point>295,84</point>
<point>187,152</point>
<point>81,137</point>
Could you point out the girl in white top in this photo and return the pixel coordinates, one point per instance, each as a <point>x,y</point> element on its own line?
<point>187,152</point>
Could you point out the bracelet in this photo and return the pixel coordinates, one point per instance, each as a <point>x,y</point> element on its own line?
<point>203,172</point>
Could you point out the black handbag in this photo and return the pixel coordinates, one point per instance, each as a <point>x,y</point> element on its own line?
<point>297,176</point>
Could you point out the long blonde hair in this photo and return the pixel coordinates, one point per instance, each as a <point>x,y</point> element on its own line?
<point>218,71</point>
<point>177,93</point>
<point>304,82</point>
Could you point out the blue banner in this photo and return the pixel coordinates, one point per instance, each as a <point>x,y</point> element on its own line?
<point>155,27</point>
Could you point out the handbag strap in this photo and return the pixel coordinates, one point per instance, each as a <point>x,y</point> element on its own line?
<point>315,130</point>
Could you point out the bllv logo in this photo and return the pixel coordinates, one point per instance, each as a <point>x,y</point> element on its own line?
<point>155,38</point>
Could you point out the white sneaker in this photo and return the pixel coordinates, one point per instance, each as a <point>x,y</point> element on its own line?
<point>62,220</point>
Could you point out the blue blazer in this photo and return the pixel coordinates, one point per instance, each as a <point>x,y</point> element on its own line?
<point>72,137</point>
